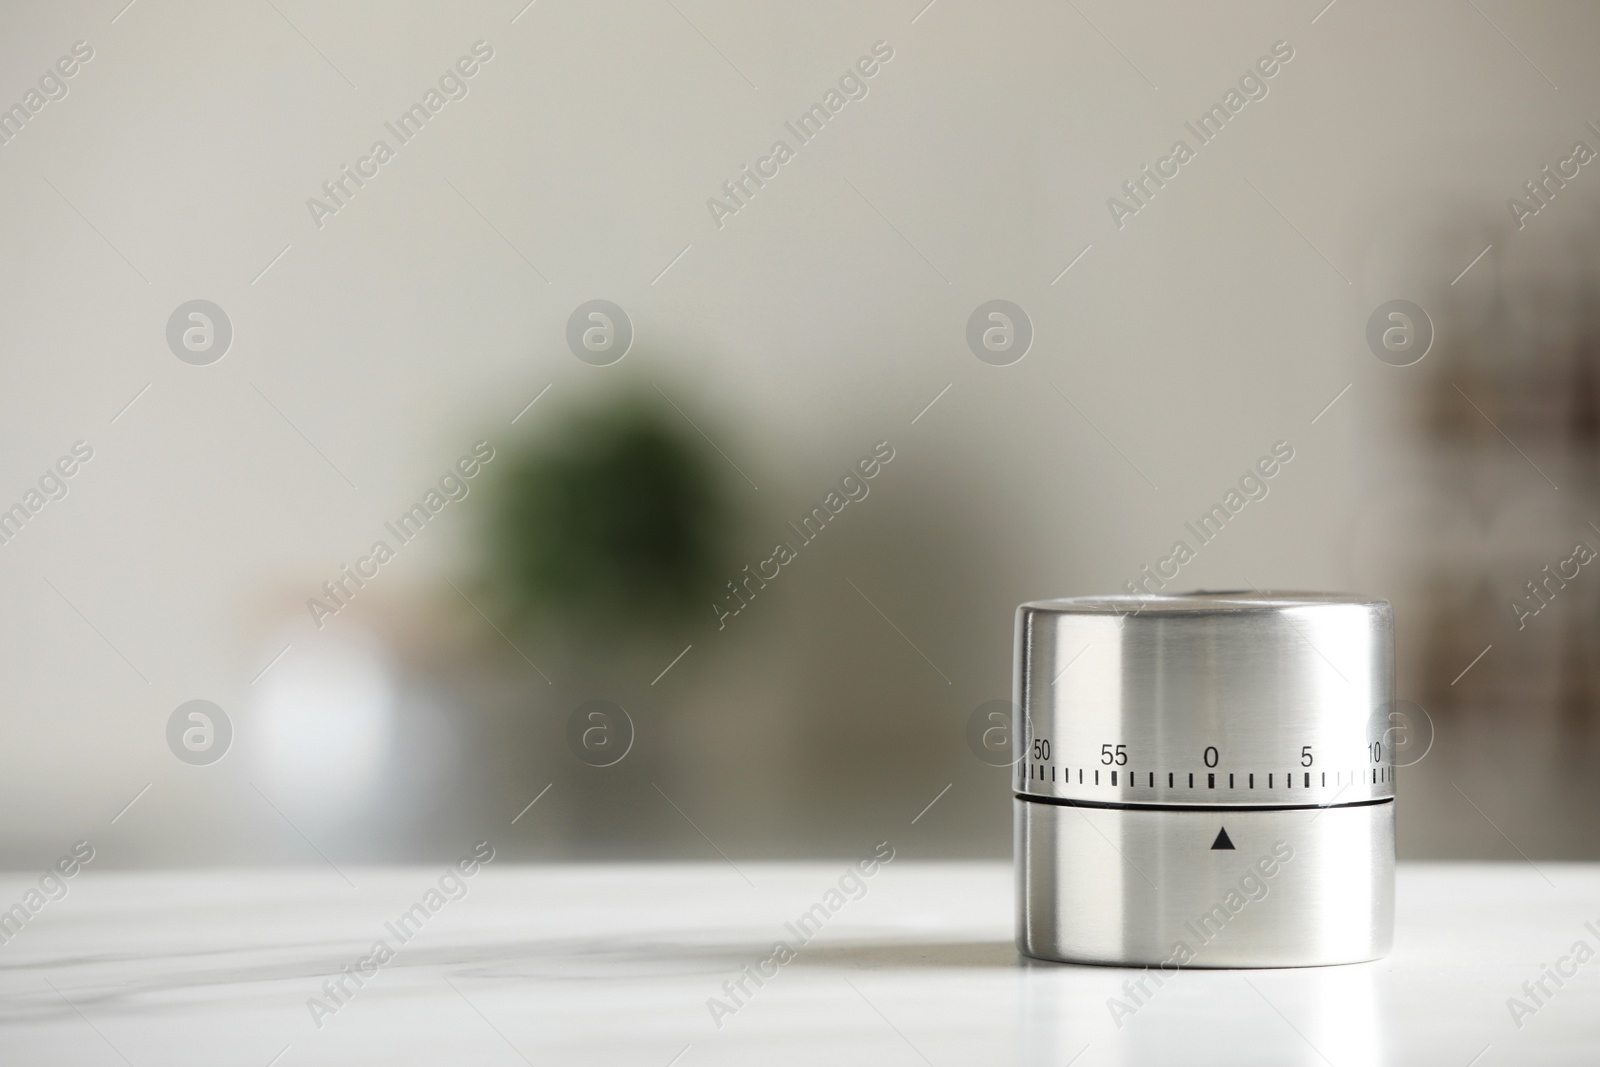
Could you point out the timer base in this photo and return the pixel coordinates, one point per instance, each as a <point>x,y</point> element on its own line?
<point>1159,887</point>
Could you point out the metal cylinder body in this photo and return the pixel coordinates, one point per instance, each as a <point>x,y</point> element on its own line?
<point>1205,780</point>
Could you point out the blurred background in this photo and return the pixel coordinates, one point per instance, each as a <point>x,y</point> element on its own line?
<point>580,374</point>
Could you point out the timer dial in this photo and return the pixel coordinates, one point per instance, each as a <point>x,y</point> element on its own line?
<point>1205,778</point>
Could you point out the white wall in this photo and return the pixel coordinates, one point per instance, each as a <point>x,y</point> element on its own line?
<point>821,318</point>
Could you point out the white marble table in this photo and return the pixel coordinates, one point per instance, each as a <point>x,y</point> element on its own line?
<point>615,965</point>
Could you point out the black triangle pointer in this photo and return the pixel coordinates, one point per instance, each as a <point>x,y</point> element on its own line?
<point>1222,840</point>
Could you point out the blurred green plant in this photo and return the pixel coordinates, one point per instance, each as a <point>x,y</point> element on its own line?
<point>611,524</point>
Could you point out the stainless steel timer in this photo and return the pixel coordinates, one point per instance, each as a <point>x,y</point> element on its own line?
<point>1205,780</point>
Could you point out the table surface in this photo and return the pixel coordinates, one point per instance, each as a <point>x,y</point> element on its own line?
<point>620,964</point>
